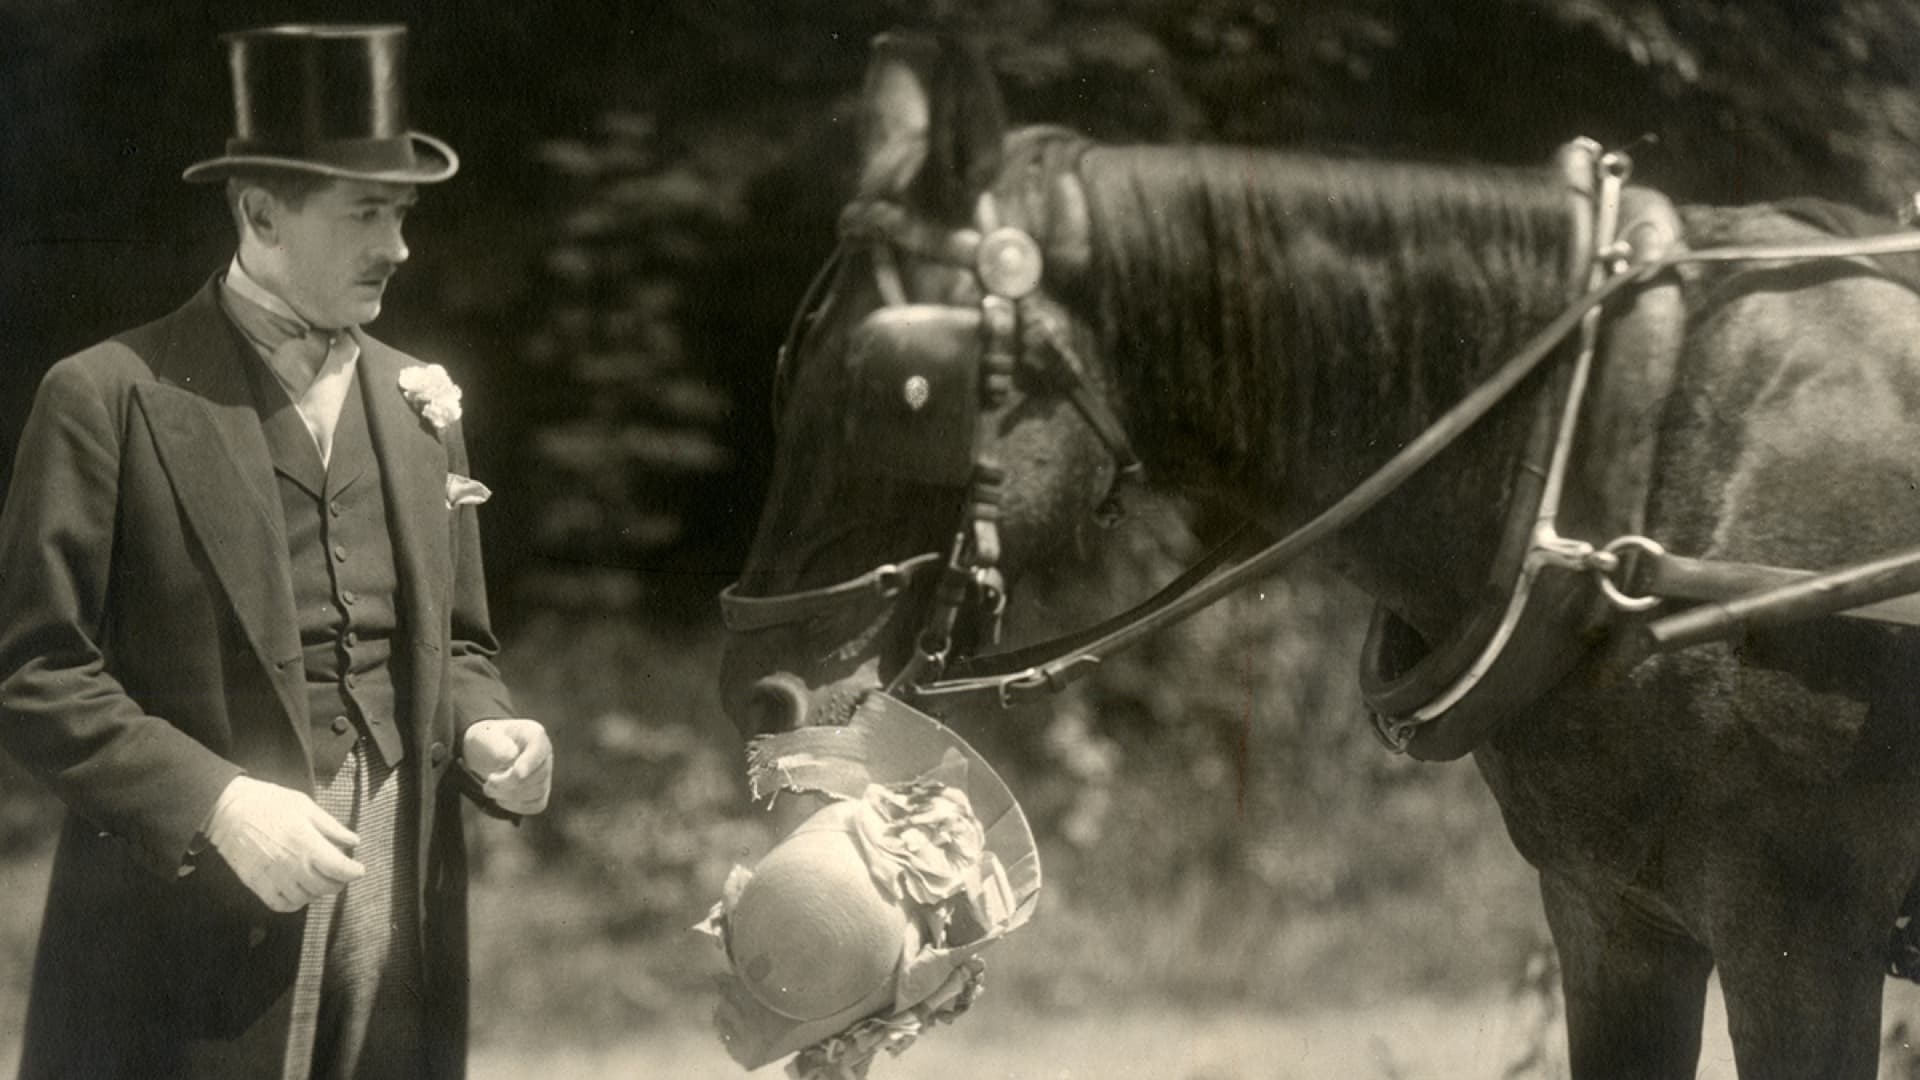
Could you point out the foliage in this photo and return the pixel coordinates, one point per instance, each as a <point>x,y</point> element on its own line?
<point>626,429</point>
<point>648,794</point>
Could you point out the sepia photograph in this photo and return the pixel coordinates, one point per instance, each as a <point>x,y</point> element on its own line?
<point>923,539</point>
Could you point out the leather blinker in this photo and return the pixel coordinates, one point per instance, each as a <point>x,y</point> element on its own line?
<point>915,378</point>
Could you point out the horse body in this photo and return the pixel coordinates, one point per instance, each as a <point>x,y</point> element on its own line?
<point>1271,329</point>
<point>1748,806</point>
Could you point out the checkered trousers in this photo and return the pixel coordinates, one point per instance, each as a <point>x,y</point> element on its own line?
<point>357,996</point>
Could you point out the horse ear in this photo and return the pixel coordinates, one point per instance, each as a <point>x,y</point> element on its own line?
<point>1069,238</point>
<point>934,124</point>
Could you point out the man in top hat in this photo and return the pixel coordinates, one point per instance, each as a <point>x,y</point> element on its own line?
<point>243,631</point>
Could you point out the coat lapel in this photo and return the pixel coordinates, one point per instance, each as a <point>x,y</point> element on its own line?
<point>290,445</point>
<point>413,468</point>
<point>207,435</point>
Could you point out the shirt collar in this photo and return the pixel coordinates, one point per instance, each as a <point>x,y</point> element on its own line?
<point>268,322</point>
<point>245,287</point>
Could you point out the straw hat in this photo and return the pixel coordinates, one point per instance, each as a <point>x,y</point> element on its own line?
<point>865,923</point>
<point>325,99</point>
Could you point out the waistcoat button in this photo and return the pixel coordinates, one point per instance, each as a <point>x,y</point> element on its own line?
<point>340,725</point>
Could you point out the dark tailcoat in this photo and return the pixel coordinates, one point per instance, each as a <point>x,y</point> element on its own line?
<point>149,652</point>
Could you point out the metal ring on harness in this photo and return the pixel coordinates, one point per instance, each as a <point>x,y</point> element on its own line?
<point>1615,596</point>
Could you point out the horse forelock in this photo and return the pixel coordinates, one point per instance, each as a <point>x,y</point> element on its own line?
<point>1239,291</point>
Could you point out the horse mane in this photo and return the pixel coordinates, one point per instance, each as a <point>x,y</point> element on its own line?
<point>1233,286</point>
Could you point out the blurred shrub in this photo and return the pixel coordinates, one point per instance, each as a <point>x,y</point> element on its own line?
<point>627,418</point>
<point>649,805</point>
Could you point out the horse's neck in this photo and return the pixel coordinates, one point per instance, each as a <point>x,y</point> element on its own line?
<point>1275,359</point>
<point>1423,552</point>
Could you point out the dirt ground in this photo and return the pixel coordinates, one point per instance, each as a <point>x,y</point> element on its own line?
<point>1484,1039</point>
<point>1393,1040</point>
<point>1493,1036</point>
<point>1399,1039</point>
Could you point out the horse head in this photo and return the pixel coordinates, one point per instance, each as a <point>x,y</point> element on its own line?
<point>938,428</point>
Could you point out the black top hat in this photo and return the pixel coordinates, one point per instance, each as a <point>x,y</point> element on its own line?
<point>325,99</point>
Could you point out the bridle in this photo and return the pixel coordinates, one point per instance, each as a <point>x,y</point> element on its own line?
<point>1633,573</point>
<point>1011,330</point>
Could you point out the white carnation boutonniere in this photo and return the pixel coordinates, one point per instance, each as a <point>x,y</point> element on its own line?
<point>432,393</point>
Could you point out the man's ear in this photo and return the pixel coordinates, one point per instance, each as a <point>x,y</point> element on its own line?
<point>258,211</point>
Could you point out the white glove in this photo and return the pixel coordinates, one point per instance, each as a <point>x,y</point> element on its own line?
<point>281,844</point>
<point>513,759</point>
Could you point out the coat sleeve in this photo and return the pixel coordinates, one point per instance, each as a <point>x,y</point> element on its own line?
<point>474,684</point>
<point>63,714</point>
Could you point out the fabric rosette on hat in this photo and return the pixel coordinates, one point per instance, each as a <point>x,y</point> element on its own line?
<point>864,925</point>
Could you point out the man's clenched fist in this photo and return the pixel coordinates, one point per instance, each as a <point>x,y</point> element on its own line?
<point>513,759</point>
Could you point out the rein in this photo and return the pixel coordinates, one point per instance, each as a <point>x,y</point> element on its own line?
<point>1633,573</point>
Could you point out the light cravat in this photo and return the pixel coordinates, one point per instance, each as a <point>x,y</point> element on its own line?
<point>314,366</point>
<point>326,363</point>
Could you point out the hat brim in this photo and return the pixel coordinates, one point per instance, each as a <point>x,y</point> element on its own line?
<point>435,161</point>
<point>755,1036</point>
<point>887,742</point>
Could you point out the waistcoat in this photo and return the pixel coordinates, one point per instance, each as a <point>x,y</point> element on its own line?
<point>345,583</point>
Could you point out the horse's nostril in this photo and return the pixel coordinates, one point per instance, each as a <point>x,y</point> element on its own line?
<point>778,702</point>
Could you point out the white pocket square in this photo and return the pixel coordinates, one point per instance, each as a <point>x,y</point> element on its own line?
<point>465,491</point>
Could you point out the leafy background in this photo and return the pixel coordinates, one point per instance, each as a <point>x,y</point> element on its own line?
<point>647,189</point>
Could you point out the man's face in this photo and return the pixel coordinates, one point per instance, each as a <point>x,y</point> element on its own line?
<point>335,252</point>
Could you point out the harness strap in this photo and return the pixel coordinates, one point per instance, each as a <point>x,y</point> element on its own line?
<point>984,671</point>
<point>802,315</point>
<point>1093,410</point>
<point>1743,596</point>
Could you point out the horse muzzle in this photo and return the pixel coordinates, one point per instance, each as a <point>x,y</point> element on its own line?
<point>804,658</point>
<point>761,701</point>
